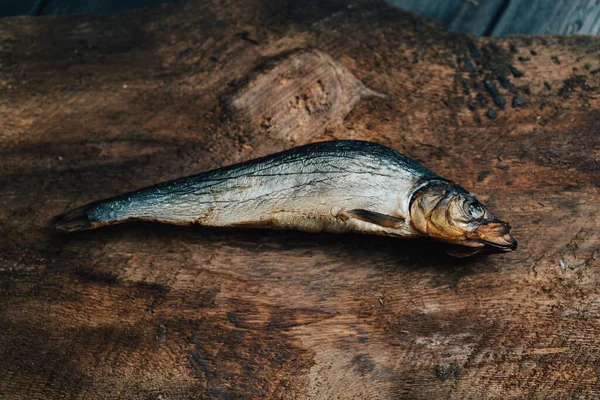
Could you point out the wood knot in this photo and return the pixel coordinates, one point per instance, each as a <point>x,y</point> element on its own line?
<point>298,95</point>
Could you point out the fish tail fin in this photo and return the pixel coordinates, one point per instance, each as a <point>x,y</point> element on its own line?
<point>74,220</point>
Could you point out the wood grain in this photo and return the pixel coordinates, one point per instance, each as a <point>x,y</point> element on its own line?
<point>91,107</point>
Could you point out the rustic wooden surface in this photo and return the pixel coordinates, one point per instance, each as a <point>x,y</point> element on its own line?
<point>91,107</point>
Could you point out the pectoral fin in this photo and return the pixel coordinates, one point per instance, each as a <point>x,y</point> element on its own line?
<point>387,221</point>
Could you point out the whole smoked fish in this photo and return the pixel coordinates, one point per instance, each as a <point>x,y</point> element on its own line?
<point>336,186</point>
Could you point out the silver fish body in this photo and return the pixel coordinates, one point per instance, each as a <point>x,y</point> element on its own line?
<point>337,186</point>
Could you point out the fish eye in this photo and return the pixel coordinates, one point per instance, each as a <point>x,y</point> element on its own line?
<point>475,210</point>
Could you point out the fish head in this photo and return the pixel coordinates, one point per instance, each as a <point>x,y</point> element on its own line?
<point>448,213</point>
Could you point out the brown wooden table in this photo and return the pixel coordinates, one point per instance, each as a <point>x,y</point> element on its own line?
<point>91,107</point>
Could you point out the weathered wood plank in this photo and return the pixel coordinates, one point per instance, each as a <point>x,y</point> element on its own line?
<point>21,7</point>
<point>498,17</point>
<point>541,17</point>
<point>62,7</point>
<point>503,18</point>
<point>440,10</point>
<point>91,107</point>
<point>472,17</point>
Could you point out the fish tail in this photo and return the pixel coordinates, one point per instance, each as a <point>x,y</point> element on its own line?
<point>115,210</point>
<point>74,220</point>
<point>155,203</point>
<point>94,215</point>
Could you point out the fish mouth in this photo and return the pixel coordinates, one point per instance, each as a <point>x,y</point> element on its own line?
<point>496,234</point>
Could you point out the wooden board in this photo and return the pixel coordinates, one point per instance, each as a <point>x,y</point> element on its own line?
<point>515,17</point>
<point>475,17</point>
<point>91,107</point>
<point>472,17</point>
<point>581,17</point>
<point>64,7</point>
<point>22,7</point>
